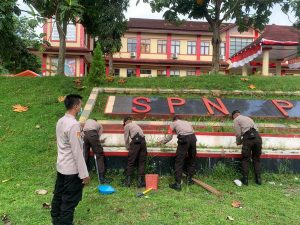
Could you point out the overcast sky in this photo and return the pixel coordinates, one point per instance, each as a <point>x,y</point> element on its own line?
<point>143,10</point>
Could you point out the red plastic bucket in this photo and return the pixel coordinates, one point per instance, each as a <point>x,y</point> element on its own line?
<point>151,181</point>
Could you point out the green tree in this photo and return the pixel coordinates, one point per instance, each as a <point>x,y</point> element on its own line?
<point>17,34</point>
<point>97,70</point>
<point>64,12</point>
<point>105,20</point>
<point>246,13</point>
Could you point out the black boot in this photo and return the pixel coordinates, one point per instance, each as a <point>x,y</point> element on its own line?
<point>258,179</point>
<point>190,180</point>
<point>245,180</point>
<point>141,182</point>
<point>105,180</point>
<point>127,181</point>
<point>176,186</point>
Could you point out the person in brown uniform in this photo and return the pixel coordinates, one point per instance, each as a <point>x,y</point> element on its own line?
<point>136,145</point>
<point>72,173</point>
<point>92,131</point>
<point>186,148</point>
<point>247,135</point>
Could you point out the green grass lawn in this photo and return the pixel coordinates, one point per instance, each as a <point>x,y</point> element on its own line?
<point>28,156</point>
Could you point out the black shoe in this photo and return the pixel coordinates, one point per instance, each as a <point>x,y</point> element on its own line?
<point>126,182</point>
<point>105,180</point>
<point>244,180</point>
<point>189,180</point>
<point>258,179</point>
<point>176,186</point>
<point>141,182</point>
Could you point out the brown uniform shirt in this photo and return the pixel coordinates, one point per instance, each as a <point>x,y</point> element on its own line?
<point>181,127</point>
<point>70,158</point>
<point>241,125</point>
<point>130,130</point>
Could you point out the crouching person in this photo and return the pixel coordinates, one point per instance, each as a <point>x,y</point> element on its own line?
<point>137,151</point>
<point>186,148</point>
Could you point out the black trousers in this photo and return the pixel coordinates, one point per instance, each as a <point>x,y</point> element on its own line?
<point>137,155</point>
<point>186,156</point>
<point>251,149</point>
<point>67,195</point>
<point>91,140</point>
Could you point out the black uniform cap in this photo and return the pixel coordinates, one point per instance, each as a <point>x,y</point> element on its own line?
<point>126,118</point>
<point>234,112</point>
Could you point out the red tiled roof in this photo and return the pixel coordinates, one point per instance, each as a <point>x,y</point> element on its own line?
<point>279,33</point>
<point>155,24</point>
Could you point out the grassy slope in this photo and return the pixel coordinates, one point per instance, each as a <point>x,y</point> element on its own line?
<point>28,158</point>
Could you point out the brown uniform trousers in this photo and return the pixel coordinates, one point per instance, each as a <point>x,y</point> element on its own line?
<point>186,154</point>
<point>251,148</point>
<point>91,140</point>
<point>137,155</point>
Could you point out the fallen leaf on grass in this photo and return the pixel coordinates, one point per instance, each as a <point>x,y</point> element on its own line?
<point>4,181</point>
<point>19,108</point>
<point>37,126</point>
<point>244,79</point>
<point>230,218</point>
<point>46,205</point>
<point>41,192</point>
<point>61,98</point>
<point>236,204</point>
<point>252,86</point>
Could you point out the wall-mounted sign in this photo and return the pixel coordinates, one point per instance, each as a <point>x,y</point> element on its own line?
<point>167,106</point>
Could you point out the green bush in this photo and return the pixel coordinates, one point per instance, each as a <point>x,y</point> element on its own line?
<point>97,71</point>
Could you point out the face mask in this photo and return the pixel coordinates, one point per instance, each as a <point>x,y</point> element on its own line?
<point>80,112</point>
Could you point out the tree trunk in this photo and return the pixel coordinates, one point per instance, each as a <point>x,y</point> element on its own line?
<point>216,41</point>
<point>110,64</point>
<point>62,32</point>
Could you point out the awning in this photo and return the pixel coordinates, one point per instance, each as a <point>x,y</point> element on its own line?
<point>279,51</point>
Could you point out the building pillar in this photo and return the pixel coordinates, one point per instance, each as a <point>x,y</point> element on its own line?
<point>169,46</point>
<point>245,70</point>
<point>107,70</point>
<point>278,68</point>
<point>265,64</point>
<point>138,45</point>
<point>168,71</point>
<point>138,71</point>
<point>197,71</point>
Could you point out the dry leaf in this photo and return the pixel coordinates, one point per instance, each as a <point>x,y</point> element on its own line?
<point>77,82</point>
<point>244,79</point>
<point>236,204</point>
<point>4,181</point>
<point>122,81</point>
<point>61,98</point>
<point>41,192</point>
<point>230,218</point>
<point>252,86</point>
<point>37,126</point>
<point>46,205</point>
<point>19,108</point>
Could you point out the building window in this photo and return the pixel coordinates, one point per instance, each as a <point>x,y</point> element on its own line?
<point>145,46</point>
<point>130,72</point>
<point>222,50</point>
<point>70,66</point>
<point>131,45</point>
<point>236,44</point>
<point>191,47</point>
<point>146,71</point>
<point>174,73</point>
<point>161,73</point>
<point>175,47</point>
<point>162,46</point>
<point>117,72</point>
<point>71,32</point>
<point>204,48</point>
<point>191,73</point>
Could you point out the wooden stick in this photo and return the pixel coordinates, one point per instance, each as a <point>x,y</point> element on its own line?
<point>207,187</point>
